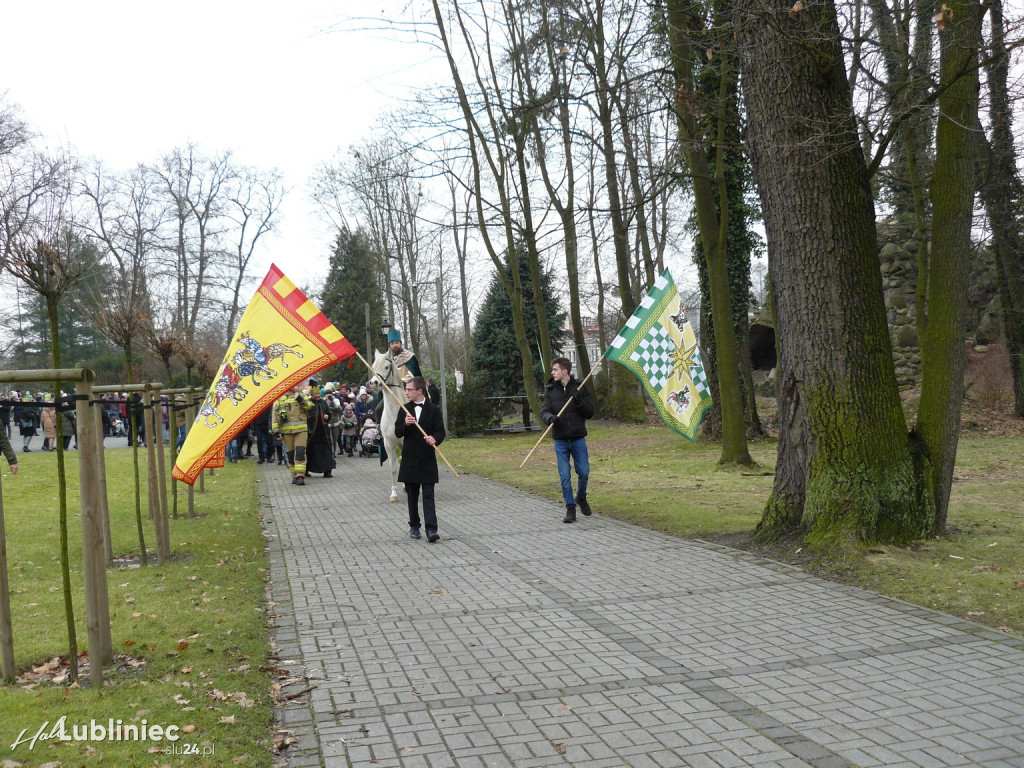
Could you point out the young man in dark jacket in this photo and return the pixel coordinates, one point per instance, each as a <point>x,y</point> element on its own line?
<point>569,432</point>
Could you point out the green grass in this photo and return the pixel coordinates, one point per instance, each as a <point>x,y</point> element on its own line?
<point>652,477</point>
<point>644,475</point>
<point>189,636</point>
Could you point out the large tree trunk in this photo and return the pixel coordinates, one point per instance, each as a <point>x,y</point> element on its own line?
<point>845,471</point>
<point>945,287</point>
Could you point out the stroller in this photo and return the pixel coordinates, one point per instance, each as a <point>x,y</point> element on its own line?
<point>117,427</point>
<point>370,438</point>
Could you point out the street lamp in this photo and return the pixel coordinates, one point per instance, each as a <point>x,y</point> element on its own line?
<point>385,328</point>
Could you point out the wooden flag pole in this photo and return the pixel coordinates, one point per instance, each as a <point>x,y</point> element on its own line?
<point>552,424</point>
<point>402,406</point>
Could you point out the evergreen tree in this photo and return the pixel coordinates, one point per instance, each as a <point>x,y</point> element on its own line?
<point>495,351</point>
<point>352,283</point>
<point>79,341</point>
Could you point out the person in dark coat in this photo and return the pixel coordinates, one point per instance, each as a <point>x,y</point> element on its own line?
<point>433,392</point>
<point>319,451</point>
<point>261,428</point>
<point>5,415</point>
<point>570,432</point>
<point>136,409</point>
<point>8,451</point>
<point>69,417</point>
<point>418,469</point>
<point>27,419</point>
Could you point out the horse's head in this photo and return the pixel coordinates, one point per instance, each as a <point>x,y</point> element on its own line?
<point>384,368</point>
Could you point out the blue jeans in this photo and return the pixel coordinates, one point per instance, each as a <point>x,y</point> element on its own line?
<point>233,451</point>
<point>577,449</point>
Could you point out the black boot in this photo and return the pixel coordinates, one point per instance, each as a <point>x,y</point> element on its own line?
<point>570,513</point>
<point>584,507</point>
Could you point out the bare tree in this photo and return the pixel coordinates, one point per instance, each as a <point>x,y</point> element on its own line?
<point>127,216</point>
<point>42,250</point>
<point>197,189</point>
<point>711,195</point>
<point>253,201</point>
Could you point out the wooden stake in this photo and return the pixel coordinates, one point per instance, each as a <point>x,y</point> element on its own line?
<point>94,564</point>
<point>101,468</point>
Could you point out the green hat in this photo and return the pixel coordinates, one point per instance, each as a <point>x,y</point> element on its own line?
<point>394,335</point>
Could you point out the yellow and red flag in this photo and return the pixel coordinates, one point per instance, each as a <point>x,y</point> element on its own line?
<point>281,340</point>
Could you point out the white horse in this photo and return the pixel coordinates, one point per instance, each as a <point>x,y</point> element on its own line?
<point>385,373</point>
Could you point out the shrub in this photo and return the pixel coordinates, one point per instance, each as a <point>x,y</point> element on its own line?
<point>468,410</point>
<point>619,398</point>
<point>988,378</point>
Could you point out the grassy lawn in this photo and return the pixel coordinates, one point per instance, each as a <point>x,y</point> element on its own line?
<point>190,639</point>
<point>650,476</point>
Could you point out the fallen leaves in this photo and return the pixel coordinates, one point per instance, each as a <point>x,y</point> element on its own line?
<point>283,739</point>
<point>238,697</point>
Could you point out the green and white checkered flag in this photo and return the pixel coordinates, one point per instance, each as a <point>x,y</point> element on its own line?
<point>659,346</point>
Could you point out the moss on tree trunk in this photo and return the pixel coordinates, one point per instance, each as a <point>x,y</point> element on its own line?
<point>845,472</point>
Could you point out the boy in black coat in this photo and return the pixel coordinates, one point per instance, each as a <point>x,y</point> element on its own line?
<point>570,432</point>
<point>419,460</point>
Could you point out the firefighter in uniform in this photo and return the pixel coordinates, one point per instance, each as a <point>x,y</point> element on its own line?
<point>289,421</point>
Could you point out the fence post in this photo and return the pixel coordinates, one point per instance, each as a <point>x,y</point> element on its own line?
<point>101,467</point>
<point>161,461</point>
<point>94,567</point>
<point>153,483</point>
<point>189,424</point>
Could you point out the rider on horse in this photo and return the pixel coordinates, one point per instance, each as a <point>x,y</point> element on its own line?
<point>405,367</point>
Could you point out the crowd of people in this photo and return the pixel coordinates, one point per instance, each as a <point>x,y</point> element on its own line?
<point>308,428</point>
<point>36,414</point>
<point>31,414</point>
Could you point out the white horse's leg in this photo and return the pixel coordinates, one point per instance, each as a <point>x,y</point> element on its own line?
<point>393,466</point>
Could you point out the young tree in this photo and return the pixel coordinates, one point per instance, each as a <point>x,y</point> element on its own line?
<point>42,250</point>
<point>1003,195</point>
<point>253,200</point>
<point>713,197</point>
<point>943,327</point>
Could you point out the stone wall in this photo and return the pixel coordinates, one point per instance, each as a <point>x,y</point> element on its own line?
<point>898,257</point>
<point>898,263</point>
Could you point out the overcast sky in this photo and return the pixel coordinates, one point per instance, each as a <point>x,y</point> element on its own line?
<point>126,82</point>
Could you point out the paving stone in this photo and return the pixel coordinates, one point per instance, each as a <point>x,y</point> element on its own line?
<point>517,641</point>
